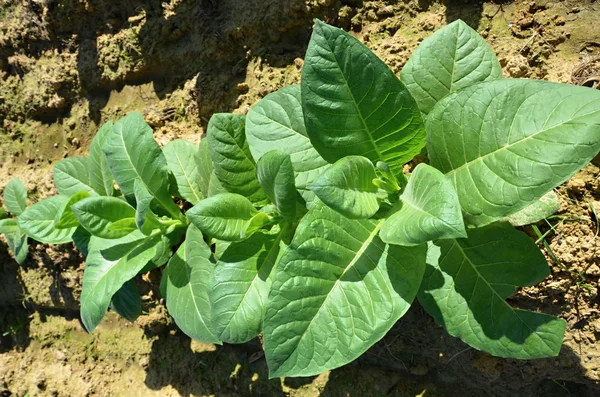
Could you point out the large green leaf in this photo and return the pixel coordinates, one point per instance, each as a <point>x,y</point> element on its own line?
<point>449,60</point>
<point>180,155</point>
<point>336,291</point>
<point>71,176</point>
<point>543,208</point>
<point>39,221</point>
<point>204,165</point>
<point>275,174</point>
<point>186,286</point>
<point>233,163</point>
<point>98,215</point>
<point>109,265</point>
<point>348,187</point>
<point>65,218</point>
<point>101,180</point>
<point>241,286</point>
<point>466,284</point>
<point>127,301</point>
<point>225,216</point>
<point>15,197</point>
<point>277,122</point>
<point>354,104</point>
<point>133,153</point>
<point>430,211</point>
<point>505,143</point>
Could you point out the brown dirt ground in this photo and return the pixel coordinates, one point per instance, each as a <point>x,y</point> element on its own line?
<point>68,66</point>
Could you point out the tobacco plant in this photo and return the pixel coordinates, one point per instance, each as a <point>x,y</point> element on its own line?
<point>303,224</point>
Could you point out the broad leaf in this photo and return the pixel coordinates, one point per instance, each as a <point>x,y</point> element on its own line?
<point>101,180</point>
<point>133,153</point>
<point>107,268</point>
<point>336,291</point>
<point>185,285</point>
<point>17,242</point>
<point>430,211</point>
<point>204,165</point>
<point>127,301</point>
<point>15,197</point>
<point>65,218</point>
<point>38,221</point>
<point>466,284</point>
<point>277,122</point>
<point>506,143</point>
<point>275,174</point>
<point>71,176</point>
<point>354,104</point>
<point>98,214</point>
<point>225,216</point>
<point>449,60</point>
<point>180,159</point>
<point>543,208</point>
<point>233,163</point>
<point>348,187</point>
<point>241,286</point>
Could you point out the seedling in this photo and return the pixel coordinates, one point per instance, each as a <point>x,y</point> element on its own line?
<point>304,227</point>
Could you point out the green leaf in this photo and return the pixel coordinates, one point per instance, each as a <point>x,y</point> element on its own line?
<point>125,225</point>
<point>185,283</point>
<point>204,165</point>
<point>133,153</point>
<point>348,187</point>
<point>17,242</point>
<point>506,143</point>
<point>8,225</point>
<point>541,209</point>
<point>3,214</point>
<point>466,284</point>
<point>65,218</point>
<point>108,268</point>
<point>354,104</point>
<point>214,186</point>
<point>98,214</point>
<point>225,216</point>
<point>275,174</point>
<point>101,180</point>
<point>336,291</point>
<point>15,197</point>
<point>277,122</point>
<point>81,239</point>
<point>241,286</point>
<point>39,221</point>
<point>231,156</point>
<point>71,176</point>
<point>180,159</point>
<point>127,301</point>
<point>143,200</point>
<point>449,60</point>
<point>430,211</point>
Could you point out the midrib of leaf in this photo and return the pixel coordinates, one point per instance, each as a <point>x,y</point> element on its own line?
<point>480,277</point>
<point>481,158</point>
<point>186,176</point>
<point>267,259</point>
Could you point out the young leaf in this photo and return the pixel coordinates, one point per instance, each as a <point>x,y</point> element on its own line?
<point>348,187</point>
<point>277,122</point>
<point>336,291</point>
<point>107,268</point>
<point>127,301</point>
<point>65,218</point>
<point>185,284</point>
<point>98,214</point>
<point>38,221</point>
<point>204,165</point>
<point>354,104</point>
<point>71,176</point>
<point>101,180</point>
<point>231,156</point>
<point>15,197</point>
<point>133,153</point>
<point>143,200</point>
<point>17,242</point>
<point>275,174</point>
<point>3,214</point>
<point>543,208</point>
<point>505,143</point>
<point>8,225</point>
<point>449,60</point>
<point>241,286</point>
<point>180,159</point>
<point>430,211</point>
<point>125,225</point>
<point>466,284</point>
<point>225,216</point>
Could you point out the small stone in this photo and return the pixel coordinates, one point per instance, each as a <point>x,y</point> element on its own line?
<point>385,11</point>
<point>299,62</point>
<point>56,146</point>
<point>76,142</point>
<point>243,87</point>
